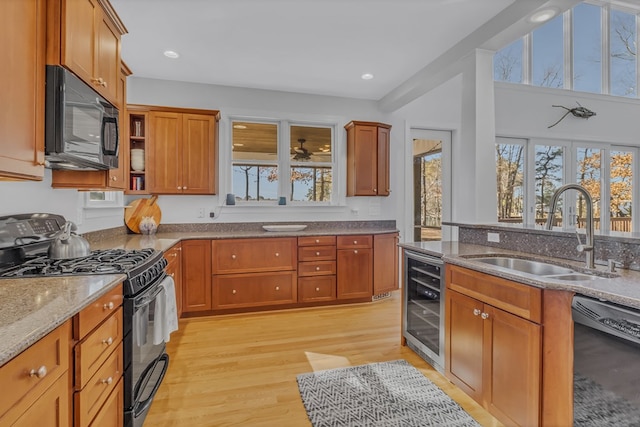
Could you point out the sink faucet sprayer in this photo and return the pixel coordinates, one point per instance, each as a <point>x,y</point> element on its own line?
<point>588,244</point>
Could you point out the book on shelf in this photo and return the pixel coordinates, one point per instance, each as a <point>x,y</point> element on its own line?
<point>137,183</point>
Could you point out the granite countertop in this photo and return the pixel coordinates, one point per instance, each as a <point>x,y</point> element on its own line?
<point>622,289</point>
<point>31,308</point>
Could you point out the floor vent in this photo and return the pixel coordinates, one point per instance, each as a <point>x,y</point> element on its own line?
<point>381,296</point>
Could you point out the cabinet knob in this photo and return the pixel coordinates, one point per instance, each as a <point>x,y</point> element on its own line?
<point>476,312</point>
<point>355,251</point>
<point>317,289</point>
<point>317,268</point>
<point>41,372</point>
<point>277,254</point>
<point>233,257</point>
<point>317,240</point>
<point>172,275</point>
<point>108,341</point>
<point>233,291</point>
<point>277,288</point>
<point>485,316</point>
<point>184,188</point>
<point>355,242</point>
<point>107,381</point>
<point>179,188</point>
<point>375,190</point>
<point>114,178</point>
<point>179,249</point>
<point>108,306</point>
<point>317,253</point>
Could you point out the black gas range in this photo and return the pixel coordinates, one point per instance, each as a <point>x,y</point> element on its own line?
<point>25,239</point>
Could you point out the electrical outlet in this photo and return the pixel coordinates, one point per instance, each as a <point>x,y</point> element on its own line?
<point>493,237</point>
<point>201,213</point>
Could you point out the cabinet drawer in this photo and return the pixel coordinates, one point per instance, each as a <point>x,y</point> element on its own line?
<point>254,289</point>
<point>316,253</point>
<point>322,288</point>
<point>317,241</point>
<point>88,402</point>
<point>112,413</point>
<point>317,268</point>
<point>254,255</point>
<point>50,356</point>
<point>355,241</point>
<point>173,254</point>
<point>96,347</point>
<point>522,300</point>
<point>94,314</point>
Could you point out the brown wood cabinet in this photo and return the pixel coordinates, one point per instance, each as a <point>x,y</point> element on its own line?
<point>112,179</point>
<point>354,267</point>
<point>368,158</point>
<point>174,269</point>
<point>385,263</point>
<point>196,275</point>
<point>317,268</point>
<point>494,343</point>
<point>84,36</point>
<point>138,129</point>
<point>37,382</point>
<point>183,151</point>
<point>98,359</point>
<point>22,84</point>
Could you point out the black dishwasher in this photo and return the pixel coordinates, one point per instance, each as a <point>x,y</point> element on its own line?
<point>423,298</point>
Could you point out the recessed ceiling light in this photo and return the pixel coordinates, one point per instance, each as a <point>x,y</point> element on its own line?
<point>238,144</point>
<point>543,15</point>
<point>239,127</point>
<point>366,76</point>
<point>171,54</point>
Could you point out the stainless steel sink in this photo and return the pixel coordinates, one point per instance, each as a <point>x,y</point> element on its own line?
<point>526,266</point>
<point>573,276</point>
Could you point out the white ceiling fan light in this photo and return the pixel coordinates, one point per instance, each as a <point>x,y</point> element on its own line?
<point>366,76</point>
<point>543,15</point>
<point>171,54</point>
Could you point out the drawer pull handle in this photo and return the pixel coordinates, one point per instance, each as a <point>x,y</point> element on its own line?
<point>317,289</point>
<point>476,312</point>
<point>317,253</point>
<point>317,268</point>
<point>233,257</point>
<point>317,240</point>
<point>485,316</point>
<point>40,373</point>
<point>355,252</point>
<point>355,242</point>
<point>233,291</point>
<point>108,341</point>
<point>277,254</point>
<point>107,381</point>
<point>277,288</point>
<point>108,306</point>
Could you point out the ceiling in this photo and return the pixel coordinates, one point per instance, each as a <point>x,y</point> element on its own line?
<point>315,46</point>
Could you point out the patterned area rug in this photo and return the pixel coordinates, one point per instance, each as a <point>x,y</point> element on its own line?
<point>378,394</point>
<point>593,406</point>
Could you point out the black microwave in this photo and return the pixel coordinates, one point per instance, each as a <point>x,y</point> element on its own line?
<point>81,127</point>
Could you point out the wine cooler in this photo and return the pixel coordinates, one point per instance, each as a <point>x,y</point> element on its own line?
<point>423,297</point>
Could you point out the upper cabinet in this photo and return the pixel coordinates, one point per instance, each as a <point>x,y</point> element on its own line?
<point>367,158</point>
<point>181,151</point>
<point>22,87</point>
<point>84,36</point>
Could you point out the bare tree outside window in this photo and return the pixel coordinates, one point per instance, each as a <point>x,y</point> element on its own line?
<point>549,164</point>
<point>510,181</point>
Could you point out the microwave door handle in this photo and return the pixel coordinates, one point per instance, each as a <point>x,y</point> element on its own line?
<point>106,120</point>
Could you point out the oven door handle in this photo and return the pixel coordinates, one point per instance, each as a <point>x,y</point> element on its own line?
<point>145,301</point>
<point>141,407</point>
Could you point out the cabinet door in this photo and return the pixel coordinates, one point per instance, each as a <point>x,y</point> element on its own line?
<point>107,57</point>
<point>22,82</point>
<point>512,367</point>
<point>118,177</point>
<point>362,168</point>
<point>49,410</point>
<point>383,161</point>
<point>196,275</point>
<point>164,154</point>
<point>464,345</point>
<point>198,154</point>
<point>79,29</point>
<point>385,263</point>
<point>354,272</point>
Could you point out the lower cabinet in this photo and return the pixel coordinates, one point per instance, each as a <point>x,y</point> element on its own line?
<point>254,289</point>
<point>355,267</point>
<point>492,354</point>
<point>196,275</point>
<point>37,382</point>
<point>385,263</point>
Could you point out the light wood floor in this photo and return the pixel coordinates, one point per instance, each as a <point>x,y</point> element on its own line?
<point>240,370</point>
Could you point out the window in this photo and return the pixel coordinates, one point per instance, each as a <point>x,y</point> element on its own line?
<point>601,54</point>
<point>264,152</point>
<point>605,171</point>
<point>103,199</point>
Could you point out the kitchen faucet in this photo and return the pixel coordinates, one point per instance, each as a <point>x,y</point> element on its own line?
<point>588,244</point>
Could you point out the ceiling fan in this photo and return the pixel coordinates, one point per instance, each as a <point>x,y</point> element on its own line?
<point>301,153</point>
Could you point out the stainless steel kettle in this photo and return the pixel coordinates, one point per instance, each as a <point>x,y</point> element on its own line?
<point>67,244</point>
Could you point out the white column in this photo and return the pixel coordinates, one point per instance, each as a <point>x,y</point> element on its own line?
<point>475,194</point>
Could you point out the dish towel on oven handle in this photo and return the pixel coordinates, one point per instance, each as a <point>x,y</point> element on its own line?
<point>165,319</point>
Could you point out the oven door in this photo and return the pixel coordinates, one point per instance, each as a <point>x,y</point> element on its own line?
<point>144,351</point>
